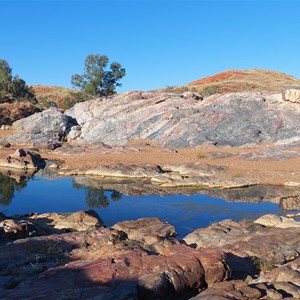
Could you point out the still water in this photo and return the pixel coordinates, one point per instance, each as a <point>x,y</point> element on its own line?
<point>185,212</point>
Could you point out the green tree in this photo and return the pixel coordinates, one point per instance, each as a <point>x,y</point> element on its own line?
<point>98,79</point>
<point>5,80</point>
<point>13,88</point>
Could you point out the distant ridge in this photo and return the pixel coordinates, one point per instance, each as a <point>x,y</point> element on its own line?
<point>244,80</point>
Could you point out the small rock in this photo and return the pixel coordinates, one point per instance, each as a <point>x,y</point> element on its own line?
<point>191,95</point>
<point>5,127</point>
<point>292,184</point>
<point>79,221</point>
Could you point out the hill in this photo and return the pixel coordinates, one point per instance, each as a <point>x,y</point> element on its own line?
<point>47,94</point>
<point>242,81</point>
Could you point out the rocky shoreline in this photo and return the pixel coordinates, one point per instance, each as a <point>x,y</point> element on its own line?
<point>58,256</point>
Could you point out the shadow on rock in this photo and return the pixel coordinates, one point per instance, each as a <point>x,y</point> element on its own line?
<point>109,263</point>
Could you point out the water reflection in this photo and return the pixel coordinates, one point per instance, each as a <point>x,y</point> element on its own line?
<point>8,186</point>
<point>97,197</point>
<point>186,209</point>
<point>287,198</point>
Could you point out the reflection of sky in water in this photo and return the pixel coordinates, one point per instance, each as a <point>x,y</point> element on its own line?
<point>186,213</point>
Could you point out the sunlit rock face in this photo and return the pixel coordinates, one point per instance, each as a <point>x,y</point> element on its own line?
<point>170,119</point>
<point>179,121</point>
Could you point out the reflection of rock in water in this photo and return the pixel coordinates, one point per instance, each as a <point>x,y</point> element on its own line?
<point>288,198</point>
<point>48,171</point>
<point>291,202</point>
<point>18,175</point>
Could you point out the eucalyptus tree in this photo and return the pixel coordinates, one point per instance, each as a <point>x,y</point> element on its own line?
<point>99,78</point>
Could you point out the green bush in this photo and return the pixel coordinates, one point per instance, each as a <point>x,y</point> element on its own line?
<point>210,90</point>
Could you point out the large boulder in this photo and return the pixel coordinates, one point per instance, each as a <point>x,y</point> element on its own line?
<point>49,127</point>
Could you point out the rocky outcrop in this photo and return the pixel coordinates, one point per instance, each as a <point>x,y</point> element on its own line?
<point>174,120</point>
<point>177,121</point>
<point>240,290</point>
<point>78,221</point>
<point>143,260</point>
<point>282,282</point>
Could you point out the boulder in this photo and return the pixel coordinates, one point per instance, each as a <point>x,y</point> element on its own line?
<point>47,127</point>
<point>151,233</point>
<point>23,159</point>
<point>16,229</point>
<point>78,221</point>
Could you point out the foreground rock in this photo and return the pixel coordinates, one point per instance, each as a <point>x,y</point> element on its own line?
<point>280,283</point>
<point>106,263</point>
<point>143,260</point>
<point>269,244</point>
<point>47,223</point>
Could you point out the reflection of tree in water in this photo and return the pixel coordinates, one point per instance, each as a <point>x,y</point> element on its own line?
<point>8,186</point>
<point>97,197</point>
<point>116,195</point>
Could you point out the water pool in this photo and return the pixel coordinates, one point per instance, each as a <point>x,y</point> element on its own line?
<point>124,200</point>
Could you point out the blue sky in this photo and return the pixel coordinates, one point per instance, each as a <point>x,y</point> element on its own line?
<point>159,42</point>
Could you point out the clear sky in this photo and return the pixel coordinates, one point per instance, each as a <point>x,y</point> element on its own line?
<point>159,42</point>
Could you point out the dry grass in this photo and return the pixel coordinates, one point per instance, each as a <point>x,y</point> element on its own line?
<point>10,112</point>
<point>51,93</point>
